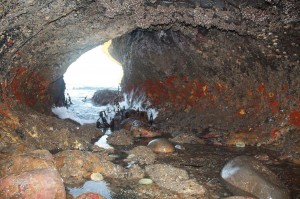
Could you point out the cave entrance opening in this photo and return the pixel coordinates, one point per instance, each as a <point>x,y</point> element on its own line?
<point>93,71</point>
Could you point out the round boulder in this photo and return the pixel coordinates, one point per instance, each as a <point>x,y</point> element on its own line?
<point>40,183</point>
<point>161,145</point>
<point>246,176</point>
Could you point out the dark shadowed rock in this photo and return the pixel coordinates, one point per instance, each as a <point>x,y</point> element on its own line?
<point>245,176</point>
<point>40,183</point>
<point>104,97</point>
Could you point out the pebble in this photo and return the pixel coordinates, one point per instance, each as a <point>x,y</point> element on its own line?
<point>179,147</point>
<point>240,144</point>
<point>145,181</point>
<point>113,156</point>
<point>96,177</point>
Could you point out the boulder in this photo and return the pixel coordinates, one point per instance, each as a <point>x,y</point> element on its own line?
<point>39,183</point>
<point>104,97</point>
<point>246,176</point>
<point>175,179</point>
<point>88,132</point>
<point>122,137</point>
<point>18,163</point>
<point>141,154</point>
<point>75,166</point>
<point>161,145</point>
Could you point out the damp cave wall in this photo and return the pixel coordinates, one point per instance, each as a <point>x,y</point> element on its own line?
<point>239,59</point>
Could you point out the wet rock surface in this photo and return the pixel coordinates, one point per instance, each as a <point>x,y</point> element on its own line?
<point>246,176</point>
<point>175,179</point>
<point>122,137</point>
<point>142,155</point>
<point>76,166</point>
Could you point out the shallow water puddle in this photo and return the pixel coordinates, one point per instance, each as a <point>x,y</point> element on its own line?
<point>102,142</point>
<point>100,187</point>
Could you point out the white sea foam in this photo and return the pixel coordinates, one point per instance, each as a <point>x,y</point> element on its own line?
<point>85,112</point>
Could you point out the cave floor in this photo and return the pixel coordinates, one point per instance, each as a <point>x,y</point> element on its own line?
<point>203,163</point>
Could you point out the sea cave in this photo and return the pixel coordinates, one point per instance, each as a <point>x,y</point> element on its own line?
<point>208,105</point>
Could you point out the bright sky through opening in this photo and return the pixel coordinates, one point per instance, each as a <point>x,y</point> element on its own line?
<point>95,68</point>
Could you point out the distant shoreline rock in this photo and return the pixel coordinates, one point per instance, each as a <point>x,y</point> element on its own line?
<point>104,97</point>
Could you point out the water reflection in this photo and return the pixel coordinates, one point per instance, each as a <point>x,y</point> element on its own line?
<point>102,142</point>
<point>99,187</point>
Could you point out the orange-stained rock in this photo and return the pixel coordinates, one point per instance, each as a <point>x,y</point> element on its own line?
<point>39,183</point>
<point>17,163</point>
<point>90,195</point>
<point>161,145</point>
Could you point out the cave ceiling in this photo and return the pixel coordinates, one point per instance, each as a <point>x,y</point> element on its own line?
<point>52,34</point>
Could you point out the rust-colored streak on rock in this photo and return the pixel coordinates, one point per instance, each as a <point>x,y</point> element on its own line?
<point>30,87</point>
<point>295,118</point>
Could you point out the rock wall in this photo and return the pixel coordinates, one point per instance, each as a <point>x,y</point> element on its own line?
<point>244,89</point>
<point>224,63</point>
<point>49,35</point>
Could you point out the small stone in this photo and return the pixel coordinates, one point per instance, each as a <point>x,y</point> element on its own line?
<point>113,156</point>
<point>258,144</point>
<point>96,177</point>
<point>240,144</point>
<point>145,181</point>
<point>177,146</point>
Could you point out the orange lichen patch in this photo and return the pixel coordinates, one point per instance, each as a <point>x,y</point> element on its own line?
<point>295,118</point>
<point>261,88</point>
<point>29,87</point>
<point>241,112</point>
<point>175,90</point>
<point>220,86</point>
<point>204,89</point>
<point>271,94</point>
<point>275,133</point>
<point>274,105</point>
